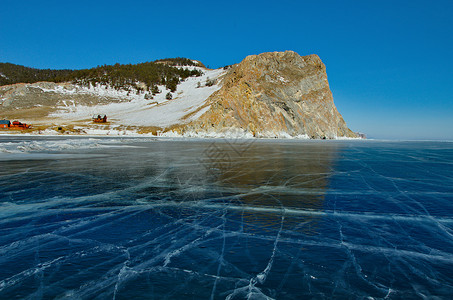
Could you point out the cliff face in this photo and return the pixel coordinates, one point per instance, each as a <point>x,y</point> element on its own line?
<point>273,94</point>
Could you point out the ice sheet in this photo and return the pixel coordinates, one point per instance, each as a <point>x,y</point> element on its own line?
<point>233,219</point>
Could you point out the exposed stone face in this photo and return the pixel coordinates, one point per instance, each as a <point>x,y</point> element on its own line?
<point>273,93</point>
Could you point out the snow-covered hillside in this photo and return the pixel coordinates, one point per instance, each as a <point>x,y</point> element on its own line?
<point>135,110</point>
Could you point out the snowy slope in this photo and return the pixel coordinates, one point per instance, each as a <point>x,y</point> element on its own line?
<point>137,111</point>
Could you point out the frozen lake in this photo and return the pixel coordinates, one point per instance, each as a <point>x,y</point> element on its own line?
<point>113,218</point>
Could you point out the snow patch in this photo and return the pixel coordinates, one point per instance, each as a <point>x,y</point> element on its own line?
<point>347,138</point>
<point>141,112</point>
<point>282,79</point>
<point>98,90</point>
<point>199,113</point>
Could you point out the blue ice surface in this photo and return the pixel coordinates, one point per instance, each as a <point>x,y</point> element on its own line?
<point>125,218</point>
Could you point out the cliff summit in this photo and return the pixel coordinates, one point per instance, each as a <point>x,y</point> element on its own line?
<point>271,94</point>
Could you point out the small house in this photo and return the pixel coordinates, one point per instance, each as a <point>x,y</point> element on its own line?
<point>5,123</point>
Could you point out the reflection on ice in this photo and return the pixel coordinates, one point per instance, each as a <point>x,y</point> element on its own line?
<point>192,219</point>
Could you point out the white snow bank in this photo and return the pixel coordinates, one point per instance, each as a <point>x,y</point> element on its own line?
<point>234,133</point>
<point>348,138</point>
<point>138,111</point>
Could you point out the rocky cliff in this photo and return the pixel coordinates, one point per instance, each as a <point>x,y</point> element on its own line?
<point>274,94</point>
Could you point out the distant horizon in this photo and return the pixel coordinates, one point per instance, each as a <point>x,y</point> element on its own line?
<point>389,64</point>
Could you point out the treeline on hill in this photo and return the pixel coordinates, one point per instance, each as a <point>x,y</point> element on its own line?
<point>11,73</point>
<point>179,61</point>
<point>139,77</point>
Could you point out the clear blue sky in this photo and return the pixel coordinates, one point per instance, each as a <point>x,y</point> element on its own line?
<point>389,63</point>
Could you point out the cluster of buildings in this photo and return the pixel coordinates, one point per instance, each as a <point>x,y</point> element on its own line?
<point>7,124</point>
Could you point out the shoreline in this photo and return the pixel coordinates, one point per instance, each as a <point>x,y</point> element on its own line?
<point>134,134</point>
<point>206,138</point>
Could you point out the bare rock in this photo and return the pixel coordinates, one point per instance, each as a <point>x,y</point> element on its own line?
<point>273,93</point>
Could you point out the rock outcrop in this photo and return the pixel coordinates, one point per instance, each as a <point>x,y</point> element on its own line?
<point>274,94</point>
